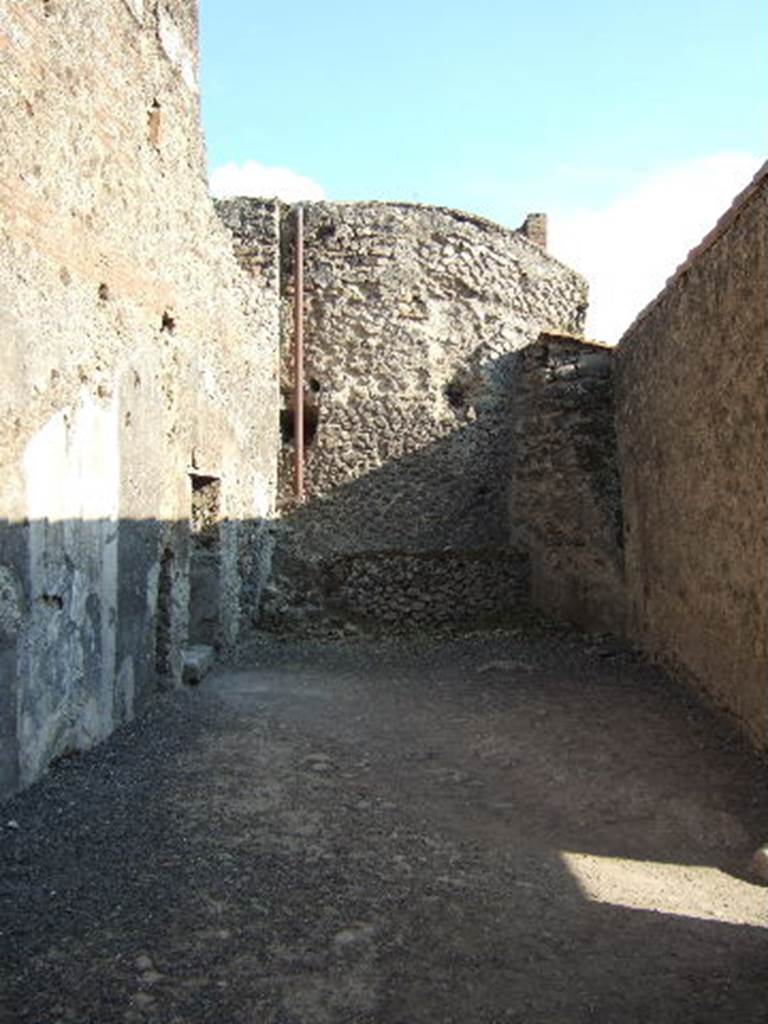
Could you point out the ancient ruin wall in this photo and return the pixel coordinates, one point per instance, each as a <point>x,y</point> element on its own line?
<point>413,318</point>
<point>137,367</point>
<point>693,444</point>
<point>565,498</point>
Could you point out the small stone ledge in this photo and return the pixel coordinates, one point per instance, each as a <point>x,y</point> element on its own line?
<point>198,662</point>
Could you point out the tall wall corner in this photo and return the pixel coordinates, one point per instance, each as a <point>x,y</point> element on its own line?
<point>565,496</point>
<point>692,424</point>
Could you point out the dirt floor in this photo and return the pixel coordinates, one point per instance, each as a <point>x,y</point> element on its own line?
<point>488,829</point>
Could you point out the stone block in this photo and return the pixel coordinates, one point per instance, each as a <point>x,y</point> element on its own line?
<point>198,662</point>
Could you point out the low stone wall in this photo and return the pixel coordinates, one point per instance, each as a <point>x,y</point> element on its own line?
<point>692,416</point>
<point>565,497</point>
<point>405,591</point>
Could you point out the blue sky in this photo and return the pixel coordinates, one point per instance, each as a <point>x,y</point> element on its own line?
<point>498,108</point>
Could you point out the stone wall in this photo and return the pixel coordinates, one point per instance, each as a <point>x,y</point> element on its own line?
<point>693,445</point>
<point>565,498</point>
<point>413,318</point>
<point>138,360</point>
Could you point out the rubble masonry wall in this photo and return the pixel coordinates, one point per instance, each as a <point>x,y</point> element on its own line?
<point>136,354</point>
<point>414,319</point>
<point>565,499</point>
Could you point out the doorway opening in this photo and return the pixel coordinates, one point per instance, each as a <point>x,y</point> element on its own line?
<point>205,560</point>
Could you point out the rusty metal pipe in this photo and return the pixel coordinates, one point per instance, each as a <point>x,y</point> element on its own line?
<point>298,357</point>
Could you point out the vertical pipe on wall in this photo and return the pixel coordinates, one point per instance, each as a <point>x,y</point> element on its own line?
<point>298,357</point>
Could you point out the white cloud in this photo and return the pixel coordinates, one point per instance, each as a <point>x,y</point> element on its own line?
<point>255,179</point>
<point>628,249</point>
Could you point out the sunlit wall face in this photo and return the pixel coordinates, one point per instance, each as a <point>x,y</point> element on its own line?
<point>135,351</point>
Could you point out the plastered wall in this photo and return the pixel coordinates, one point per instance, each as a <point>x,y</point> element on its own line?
<point>135,353</point>
<point>692,424</point>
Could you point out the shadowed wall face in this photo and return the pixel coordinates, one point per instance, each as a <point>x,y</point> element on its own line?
<point>413,318</point>
<point>136,352</point>
<point>565,497</point>
<point>693,451</point>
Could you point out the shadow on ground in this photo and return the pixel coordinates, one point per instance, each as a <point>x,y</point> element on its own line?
<point>496,828</point>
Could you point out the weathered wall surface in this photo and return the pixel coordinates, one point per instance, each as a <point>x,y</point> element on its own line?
<point>693,444</point>
<point>413,318</point>
<point>565,498</point>
<point>135,353</point>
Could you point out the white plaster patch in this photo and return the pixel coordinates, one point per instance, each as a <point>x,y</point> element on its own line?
<point>136,7</point>
<point>72,473</point>
<point>174,47</point>
<point>44,470</point>
<point>262,496</point>
<point>71,465</point>
<point>11,31</point>
<point>208,381</point>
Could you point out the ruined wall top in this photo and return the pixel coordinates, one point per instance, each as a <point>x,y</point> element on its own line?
<point>534,227</point>
<point>247,217</point>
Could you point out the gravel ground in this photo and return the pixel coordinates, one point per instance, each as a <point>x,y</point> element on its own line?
<point>501,827</point>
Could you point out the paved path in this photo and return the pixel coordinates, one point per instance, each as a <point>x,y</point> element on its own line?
<point>483,830</point>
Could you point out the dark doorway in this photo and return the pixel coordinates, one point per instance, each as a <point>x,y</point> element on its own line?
<point>205,560</point>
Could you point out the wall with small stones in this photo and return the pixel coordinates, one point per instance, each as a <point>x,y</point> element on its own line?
<point>693,445</point>
<point>565,498</point>
<point>135,352</point>
<point>414,317</point>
